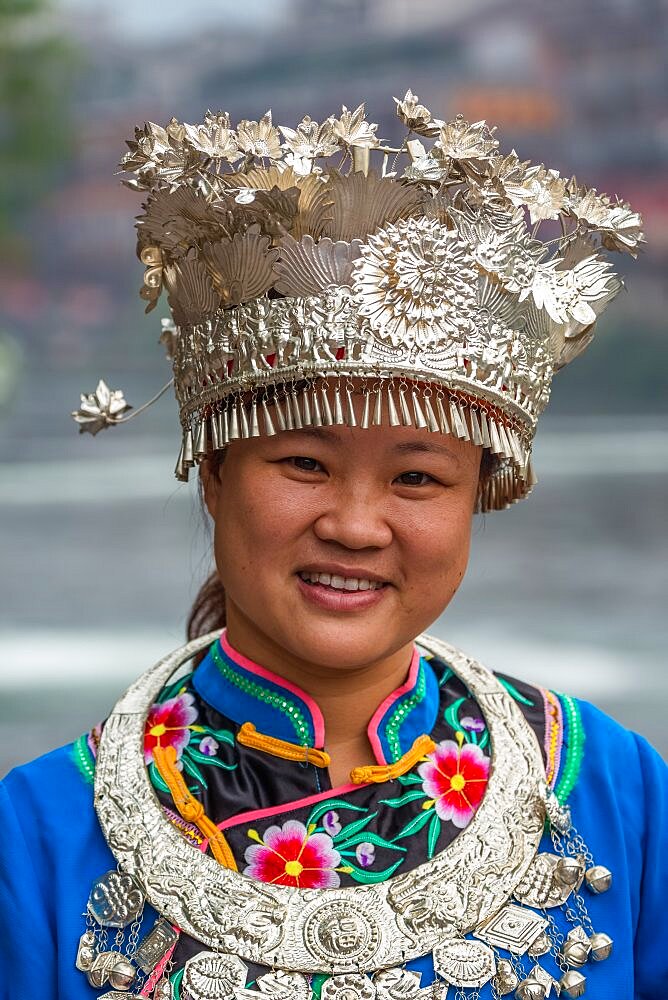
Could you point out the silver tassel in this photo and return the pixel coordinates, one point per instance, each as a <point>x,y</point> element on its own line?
<point>243,420</point>
<point>269,428</point>
<point>395,421</point>
<point>420,420</point>
<point>366,410</point>
<point>327,417</point>
<point>432,422</point>
<point>476,433</point>
<point>352,419</point>
<point>280,415</point>
<point>222,428</point>
<point>495,443</point>
<point>293,400</point>
<point>405,412</point>
<point>442,416</point>
<point>457,420</point>
<point>181,471</point>
<point>254,425</point>
<point>484,429</point>
<point>317,416</point>
<point>338,408</point>
<point>307,419</point>
<point>215,432</point>
<point>201,439</point>
<point>531,477</point>
<point>378,407</point>
<point>232,422</point>
<point>188,457</point>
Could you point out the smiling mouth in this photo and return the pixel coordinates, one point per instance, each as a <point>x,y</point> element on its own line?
<point>351,584</point>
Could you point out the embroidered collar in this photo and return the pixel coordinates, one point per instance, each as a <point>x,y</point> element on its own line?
<point>244,691</point>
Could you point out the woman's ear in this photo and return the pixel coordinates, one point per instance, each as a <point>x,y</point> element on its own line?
<point>210,486</point>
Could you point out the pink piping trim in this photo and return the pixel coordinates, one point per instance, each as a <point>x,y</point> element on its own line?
<point>286,807</point>
<point>255,668</point>
<point>377,717</point>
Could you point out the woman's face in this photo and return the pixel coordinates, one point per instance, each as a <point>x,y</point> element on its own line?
<point>340,545</point>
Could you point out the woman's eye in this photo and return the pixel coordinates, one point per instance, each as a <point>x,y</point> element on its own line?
<point>414,479</point>
<point>304,464</point>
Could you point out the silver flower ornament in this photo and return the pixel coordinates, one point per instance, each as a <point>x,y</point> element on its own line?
<point>100,409</point>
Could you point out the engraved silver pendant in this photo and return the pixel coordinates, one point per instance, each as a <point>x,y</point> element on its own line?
<point>513,928</point>
<point>86,951</point>
<point>153,948</point>
<point>115,900</point>
<point>212,976</point>
<point>397,984</point>
<point>348,987</point>
<point>464,963</point>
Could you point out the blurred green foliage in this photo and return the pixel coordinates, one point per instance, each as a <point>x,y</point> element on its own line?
<point>37,69</point>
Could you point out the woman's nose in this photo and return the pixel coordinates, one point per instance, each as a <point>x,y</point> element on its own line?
<point>354,518</point>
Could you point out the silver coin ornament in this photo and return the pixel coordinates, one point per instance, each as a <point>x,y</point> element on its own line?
<point>340,932</point>
<point>598,879</point>
<point>115,900</point>
<point>350,986</point>
<point>601,946</point>
<point>505,981</point>
<point>464,963</point>
<point>573,983</point>
<point>210,975</point>
<point>284,985</point>
<point>87,951</point>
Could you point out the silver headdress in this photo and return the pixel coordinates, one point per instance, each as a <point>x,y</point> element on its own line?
<point>420,281</point>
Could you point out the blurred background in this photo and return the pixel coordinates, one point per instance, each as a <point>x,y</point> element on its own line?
<point>101,550</point>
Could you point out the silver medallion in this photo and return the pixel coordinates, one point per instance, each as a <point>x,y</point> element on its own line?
<point>352,986</point>
<point>212,976</point>
<point>282,985</point>
<point>153,948</point>
<point>513,928</point>
<point>464,963</point>
<point>340,933</point>
<point>115,900</point>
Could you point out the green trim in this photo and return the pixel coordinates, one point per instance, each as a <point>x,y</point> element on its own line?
<point>300,724</point>
<point>573,748</point>
<point>396,720</point>
<point>84,759</point>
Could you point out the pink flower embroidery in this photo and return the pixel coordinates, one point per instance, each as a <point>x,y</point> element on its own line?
<point>168,725</point>
<point>455,777</point>
<point>293,855</point>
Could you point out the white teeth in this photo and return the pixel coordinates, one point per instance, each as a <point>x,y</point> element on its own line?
<point>350,583</point>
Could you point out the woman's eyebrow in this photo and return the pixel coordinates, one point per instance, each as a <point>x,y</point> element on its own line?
<point>425,447</point>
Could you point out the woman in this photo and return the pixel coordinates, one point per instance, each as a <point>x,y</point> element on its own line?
<point>319,799</point>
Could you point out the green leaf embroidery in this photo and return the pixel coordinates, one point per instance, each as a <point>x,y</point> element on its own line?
<point>372,878</point>
<point>324,807</point>
<point>414,825</point>
<point>433,834</point>
<point>451,715</point>
<point>404,799</point>
<point>156,779</point>
<point>409,779</point>
<point>367,837</point>
<point>192,769</point>
<point>353,828</point>
<point>514,692</point>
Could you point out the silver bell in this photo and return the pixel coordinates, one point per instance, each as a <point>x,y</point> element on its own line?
<point>530,989</point>
<point>576,953</point>
<point>505,980</point>
<point>573,983</point>
<point>163,990</point>
<point>599,879</point>
<point>122,974</point>
<point>601,946</point>
<point>569,871</point>
<point>539,946</point>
